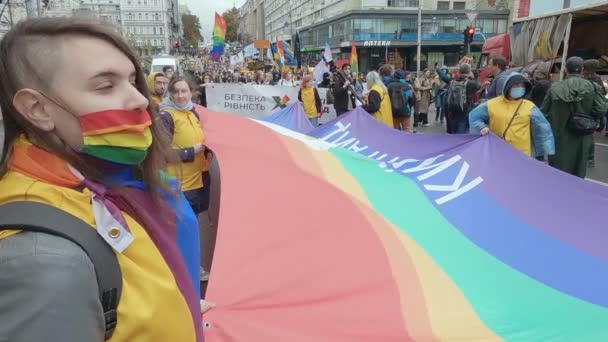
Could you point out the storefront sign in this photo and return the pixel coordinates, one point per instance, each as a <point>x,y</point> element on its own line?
<point>377,43</point>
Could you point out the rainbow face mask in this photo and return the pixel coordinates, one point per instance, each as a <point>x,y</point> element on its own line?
<point>119,136</point>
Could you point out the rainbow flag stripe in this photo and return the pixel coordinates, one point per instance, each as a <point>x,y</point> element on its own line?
<point>364,233</point>
<point>109,121</point>
<point>219,36</point>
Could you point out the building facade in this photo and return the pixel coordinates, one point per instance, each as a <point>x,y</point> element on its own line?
<point>387,31</point>
<point>150,26</point>
<point>11,13</point>
<point>251,21</point>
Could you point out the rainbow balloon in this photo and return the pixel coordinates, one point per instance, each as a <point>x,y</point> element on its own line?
<point>219,36</point>
<point>365,233</point>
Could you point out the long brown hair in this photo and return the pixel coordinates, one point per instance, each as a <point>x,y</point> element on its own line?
<point>28,53</point>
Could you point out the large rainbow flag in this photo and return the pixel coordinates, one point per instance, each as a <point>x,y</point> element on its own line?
<point>364,233</point>
<point>219,36</point>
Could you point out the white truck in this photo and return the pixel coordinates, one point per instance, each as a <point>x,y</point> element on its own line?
<point>159,62</point>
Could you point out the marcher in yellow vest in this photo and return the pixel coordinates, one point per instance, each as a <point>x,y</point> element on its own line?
<point>80,138</point>
<point>311,101</point>
<point>378,101</point>
<point>157,82</point>
<point>183,124</point>
<point>515,119</point>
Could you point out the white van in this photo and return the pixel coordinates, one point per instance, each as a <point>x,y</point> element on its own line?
<point>159,62</point>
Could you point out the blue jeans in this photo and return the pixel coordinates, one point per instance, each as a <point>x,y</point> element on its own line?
<point>440,103</point>
<point>459,126</point>
<point>314,121</point>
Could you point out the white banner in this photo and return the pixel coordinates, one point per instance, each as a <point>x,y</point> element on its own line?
<point>258,101</point>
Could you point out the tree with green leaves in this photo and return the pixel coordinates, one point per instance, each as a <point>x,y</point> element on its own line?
<point>192,29</point>
<point>232,22</point>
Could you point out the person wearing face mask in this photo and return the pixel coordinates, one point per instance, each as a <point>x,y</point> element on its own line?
<point>83,142</point>
<point>311,101</point>
<point>514,119</point>
<point>183,125</point>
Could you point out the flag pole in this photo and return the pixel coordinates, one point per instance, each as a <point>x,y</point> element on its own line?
<point>419,48</point>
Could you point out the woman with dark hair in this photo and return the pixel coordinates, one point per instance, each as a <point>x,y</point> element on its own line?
<point>83,141</point>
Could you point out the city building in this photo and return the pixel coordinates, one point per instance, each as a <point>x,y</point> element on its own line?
<point>387,31</point>
<point>150,26</point>
<point>383,30</point>
<point>251,21</point>
<point>11,12</point>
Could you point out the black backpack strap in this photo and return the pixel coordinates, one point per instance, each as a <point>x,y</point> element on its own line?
<point>37,217</point>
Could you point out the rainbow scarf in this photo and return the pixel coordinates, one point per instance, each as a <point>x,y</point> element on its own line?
<point>372,234</point>
<point>175,236</point>
<point>354,58</point>
<point>118,136</point>
<point>219,36</point>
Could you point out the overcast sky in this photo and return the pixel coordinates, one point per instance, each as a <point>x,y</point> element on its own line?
<point>205,10</point>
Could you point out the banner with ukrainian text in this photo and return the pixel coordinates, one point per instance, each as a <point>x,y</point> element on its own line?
<point>365,233</point>
<point>259,101</point>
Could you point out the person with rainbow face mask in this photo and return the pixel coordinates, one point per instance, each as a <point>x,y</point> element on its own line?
<point>83,139</point>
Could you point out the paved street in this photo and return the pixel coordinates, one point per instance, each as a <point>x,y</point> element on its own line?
<point>598,173</point>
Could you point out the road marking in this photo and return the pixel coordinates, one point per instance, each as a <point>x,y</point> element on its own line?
<point>596,181</point>
<point>600,144</point>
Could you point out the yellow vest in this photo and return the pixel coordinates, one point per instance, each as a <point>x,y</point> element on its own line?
<point>187,133</point>
<point>385,113</point>
<point>157,99</point>
<point>500,112</point>
<point>308,102</point>
<point>151,306</point>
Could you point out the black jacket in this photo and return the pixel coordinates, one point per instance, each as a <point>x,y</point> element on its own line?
<point>341,97</point>
<point>539,90</point>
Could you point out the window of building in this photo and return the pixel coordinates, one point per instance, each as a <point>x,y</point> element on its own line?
<point>486,25</point>
<point>140,16</point>
<point>447,26</point>
<point>502,26</point>
<point>459,5</point>
<point>387,29</point>
<point>128,2</point>
<point>130,16</point>
<point>147,16</point>
<point>363,28</point>
<point>409,26</point>
<point>443,5</point>
<point>154,30</point>
<point>155,42</point>
<point>157,17</point>
<point>160,30</point>
<point>403,3</point>
<point>145,2</point>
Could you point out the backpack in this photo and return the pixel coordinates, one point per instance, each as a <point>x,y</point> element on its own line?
<point>396,92</point>
<point>457,97</point>
<point>37,217</point>
<point>410,99</point>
